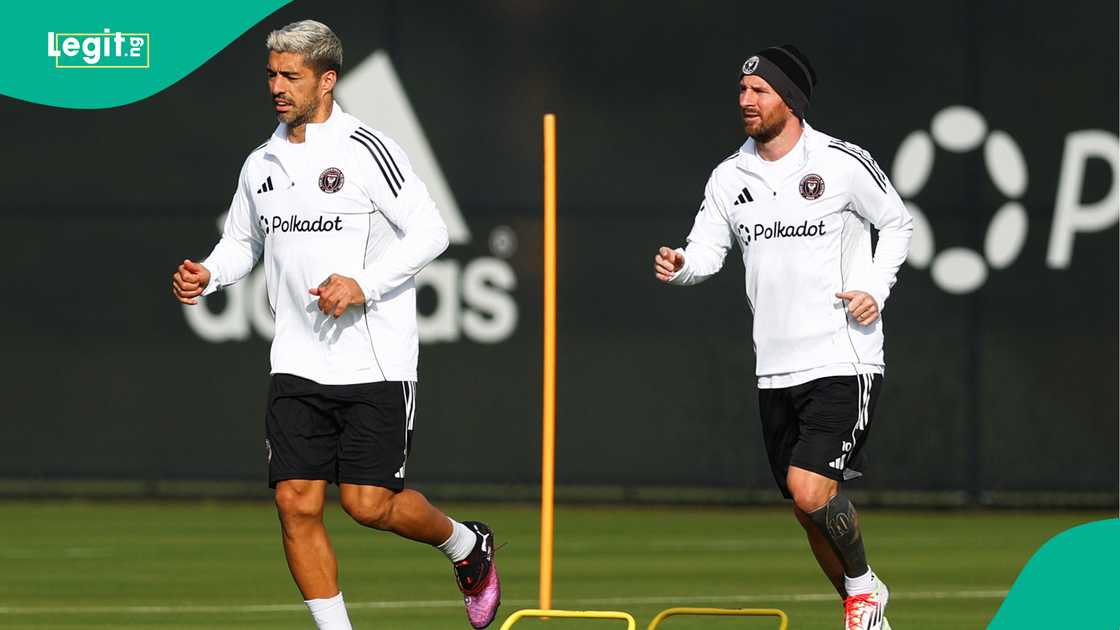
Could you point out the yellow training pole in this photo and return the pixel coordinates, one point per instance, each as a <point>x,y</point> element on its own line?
<point>548,432</point>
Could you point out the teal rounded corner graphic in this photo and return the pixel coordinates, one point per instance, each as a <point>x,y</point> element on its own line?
<point>92,55</point>
<point>1072,581</point>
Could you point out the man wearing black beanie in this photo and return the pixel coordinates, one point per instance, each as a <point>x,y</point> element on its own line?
<point>800,204</point>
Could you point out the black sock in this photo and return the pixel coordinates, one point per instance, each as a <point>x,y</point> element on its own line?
<point>840,524</point>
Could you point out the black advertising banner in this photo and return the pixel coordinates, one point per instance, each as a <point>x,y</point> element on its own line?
<point>997,127</point>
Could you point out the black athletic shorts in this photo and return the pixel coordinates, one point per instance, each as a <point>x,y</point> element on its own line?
<point>821,426</point>
<point>358,434</point>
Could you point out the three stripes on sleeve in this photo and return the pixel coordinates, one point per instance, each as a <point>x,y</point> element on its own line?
<point>382,156</point>
<point>865,160</point>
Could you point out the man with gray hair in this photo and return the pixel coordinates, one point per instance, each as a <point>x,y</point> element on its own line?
<point>344,225</point>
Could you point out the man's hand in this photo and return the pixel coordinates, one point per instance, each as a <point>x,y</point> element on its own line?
<point>337,293</point>
<point>862,306</point>
<point>188,281</point>
<point>666,263</point>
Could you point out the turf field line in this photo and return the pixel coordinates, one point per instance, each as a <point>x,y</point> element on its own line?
<point>735,544</point>
<point>785,597</point>
<point>449,603</point>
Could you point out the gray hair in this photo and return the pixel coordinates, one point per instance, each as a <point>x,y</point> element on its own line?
<point>316,42</point>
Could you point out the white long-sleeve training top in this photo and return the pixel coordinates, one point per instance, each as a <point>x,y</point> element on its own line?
<point>343,201</point>
<point>803,224</point>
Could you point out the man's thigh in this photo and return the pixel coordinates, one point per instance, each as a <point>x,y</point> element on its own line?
<point>779,432</point>
<point>377,423</point>
<point>301,431</point>
<point>835,415</point>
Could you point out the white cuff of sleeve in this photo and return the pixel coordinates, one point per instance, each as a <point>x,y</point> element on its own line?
<point>214,283</point>
<point>879,292</point>
<point>368,290</point>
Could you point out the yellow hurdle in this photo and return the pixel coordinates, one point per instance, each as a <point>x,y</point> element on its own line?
<point>571,614</point>
<point>721,612</point>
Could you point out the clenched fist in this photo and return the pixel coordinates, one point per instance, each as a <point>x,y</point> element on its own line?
<point>337,293</point>
<point>188,281</point>
<point>666,263</point>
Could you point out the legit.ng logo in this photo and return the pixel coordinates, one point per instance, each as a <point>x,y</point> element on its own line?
<point>105,50</point>
<point>960,129</point>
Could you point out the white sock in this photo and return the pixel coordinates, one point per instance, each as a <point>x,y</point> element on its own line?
<point>329,613</point>
<point>861,585</point>
<point>461,542</point>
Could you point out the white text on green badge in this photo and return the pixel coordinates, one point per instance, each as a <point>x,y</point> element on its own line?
<point>106,50</point>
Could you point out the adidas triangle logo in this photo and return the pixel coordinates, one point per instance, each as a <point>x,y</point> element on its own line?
<point>743,197</point>
<point>266,186</point>
<point>837,463</point>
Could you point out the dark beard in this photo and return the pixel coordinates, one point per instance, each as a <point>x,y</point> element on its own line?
<point>302,117</point>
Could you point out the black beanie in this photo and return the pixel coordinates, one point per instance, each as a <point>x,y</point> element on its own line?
<point>788,71</point>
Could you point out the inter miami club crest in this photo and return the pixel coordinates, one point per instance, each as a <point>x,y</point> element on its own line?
<point>812,186</point>
<point>331,180</point>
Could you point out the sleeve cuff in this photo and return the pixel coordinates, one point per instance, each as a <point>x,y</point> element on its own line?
<point>369,288</point>
<point>215,282</point>
<point>879,292</point>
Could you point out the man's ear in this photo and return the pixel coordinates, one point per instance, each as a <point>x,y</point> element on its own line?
<point>327,81</point>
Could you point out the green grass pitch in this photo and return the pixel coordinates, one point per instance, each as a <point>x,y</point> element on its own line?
<point>217,565</point>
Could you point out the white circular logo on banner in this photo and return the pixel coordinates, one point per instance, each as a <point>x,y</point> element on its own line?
<point>750,65</point>
<point>960,129</point>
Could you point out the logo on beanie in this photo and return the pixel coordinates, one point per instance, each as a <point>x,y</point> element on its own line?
<point>812,186</point>
<point>750,65</point>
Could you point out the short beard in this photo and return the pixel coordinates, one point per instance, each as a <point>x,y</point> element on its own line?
<point>301,118</point>
<point>768,132</point>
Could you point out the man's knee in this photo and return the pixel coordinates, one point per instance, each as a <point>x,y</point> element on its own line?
<point>298,501</point>
<point>812,499</point>
<point>372,510</point>
<point>810,491</point>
